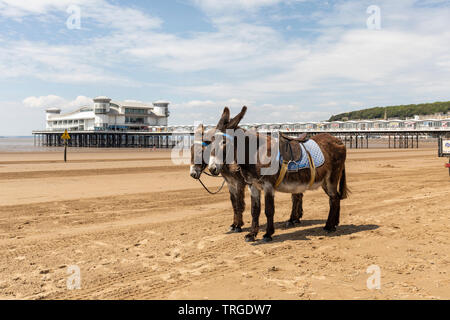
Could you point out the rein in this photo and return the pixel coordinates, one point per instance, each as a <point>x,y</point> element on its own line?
<point>206,188</point>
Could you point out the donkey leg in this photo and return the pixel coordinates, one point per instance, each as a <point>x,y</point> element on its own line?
<point>233,203</point>
<point>330,188</point>
<point>337,214</point>
<point>256,211</point>
<point>297,210</point>
<point>299,207</point>
<point>239,208</point>
<point>333,216</point>
<point>269,210</point>
<point>234,197</point>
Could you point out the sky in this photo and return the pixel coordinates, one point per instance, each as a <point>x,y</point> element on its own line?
<point>287,60</point>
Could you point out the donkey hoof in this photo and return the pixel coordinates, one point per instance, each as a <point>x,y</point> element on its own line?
<point>238,229</point>
<point>232,227</point>
<point>249,238</point>
<point>329,229</point>
<point>267,239</point>
<point>297,221</point>
<point>290,224</point>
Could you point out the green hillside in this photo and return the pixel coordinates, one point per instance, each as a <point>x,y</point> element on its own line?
<point>401,112</point>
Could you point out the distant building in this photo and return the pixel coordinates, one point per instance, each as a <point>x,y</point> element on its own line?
<point>106,114</point>
<point>339,126</point>
<point>437,116</point>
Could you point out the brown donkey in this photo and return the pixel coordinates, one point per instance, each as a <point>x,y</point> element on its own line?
<point>330,175</point>
<point>200,152</point>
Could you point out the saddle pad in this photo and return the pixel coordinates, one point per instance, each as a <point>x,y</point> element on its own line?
<point>303,163</point>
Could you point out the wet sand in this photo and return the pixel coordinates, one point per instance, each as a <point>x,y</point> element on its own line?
<point>139,227</point>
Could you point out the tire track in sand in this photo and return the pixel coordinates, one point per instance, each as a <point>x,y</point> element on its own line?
<point>153,280</point>
<point>89,172</point>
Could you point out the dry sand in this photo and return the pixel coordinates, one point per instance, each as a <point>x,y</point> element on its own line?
<point>139,227</point>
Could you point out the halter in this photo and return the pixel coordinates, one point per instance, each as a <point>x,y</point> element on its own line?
<point>225,135</point>
<point>204,144</point>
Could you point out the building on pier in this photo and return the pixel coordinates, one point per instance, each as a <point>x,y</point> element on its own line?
<point>344,126</point>
<point>105,115</point>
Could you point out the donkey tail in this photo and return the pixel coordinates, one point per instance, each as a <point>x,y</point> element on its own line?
<point>343,189</point>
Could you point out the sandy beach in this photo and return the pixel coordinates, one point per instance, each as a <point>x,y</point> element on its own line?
<point>139,227</point>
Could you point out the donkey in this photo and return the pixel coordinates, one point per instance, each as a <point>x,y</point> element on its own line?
<point>331,175</point>
<point>235,181</point>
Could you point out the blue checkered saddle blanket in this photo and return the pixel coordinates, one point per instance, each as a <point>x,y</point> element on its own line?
<point>303,163</point>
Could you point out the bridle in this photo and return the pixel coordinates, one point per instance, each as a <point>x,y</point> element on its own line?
<point>204,144</point>
<point>227,138</point>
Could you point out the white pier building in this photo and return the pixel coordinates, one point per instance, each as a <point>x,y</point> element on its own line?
<point>108,115</point>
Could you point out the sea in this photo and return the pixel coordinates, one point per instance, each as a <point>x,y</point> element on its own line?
<point>26,144</point>
<point>22,144</point>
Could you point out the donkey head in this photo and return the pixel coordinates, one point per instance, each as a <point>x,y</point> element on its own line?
<point>224,134</point>
<point>199,151</point>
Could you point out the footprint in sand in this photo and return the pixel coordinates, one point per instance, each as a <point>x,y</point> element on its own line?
<point>174,255</point>
<point>291,286</point>
<point>202,243</point>
<point>196,268</point>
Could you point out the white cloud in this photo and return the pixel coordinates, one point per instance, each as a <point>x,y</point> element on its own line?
<point>208,112</point>
<point>56,101</point>
<point>259,60</point>
<point>79,102</point>
<point>84,61</point>
<point>241,46</point>
<point>101,12</point>
<point>119,17</point>
<point>57,63</point>
<point>216,6</point>
<point>356,60</point>
<point>262,64</point>
<point>43,101</point>
<point>342,66</point>
<point>194,104</point>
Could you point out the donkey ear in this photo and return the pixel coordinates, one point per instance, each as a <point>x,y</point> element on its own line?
<point>200,128</point>
<point>224,119</point>
<point>235,121</point>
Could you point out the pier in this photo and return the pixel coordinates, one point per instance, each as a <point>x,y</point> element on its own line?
<point>112,139</point>
<point>353,139</point>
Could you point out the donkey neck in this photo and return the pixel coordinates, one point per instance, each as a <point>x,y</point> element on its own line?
<point>251,170</point>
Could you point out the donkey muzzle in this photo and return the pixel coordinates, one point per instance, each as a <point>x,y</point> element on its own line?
<point>215,169</point>
<point>195,172</point>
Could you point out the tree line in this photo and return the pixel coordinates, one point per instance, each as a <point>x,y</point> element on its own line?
<point>401,111</point>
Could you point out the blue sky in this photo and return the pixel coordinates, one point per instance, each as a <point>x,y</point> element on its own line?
<point>288,60</point>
